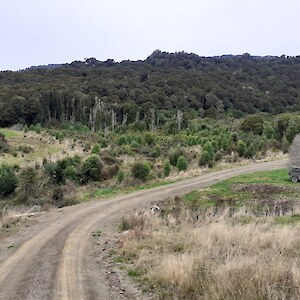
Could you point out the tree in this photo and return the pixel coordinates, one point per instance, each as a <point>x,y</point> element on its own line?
<point>91,169</point>
<point>269,132</point>
<point>27,184</point>
<point>96,149</point>
<point>210,150</point>
<point>174,154</point>
<point>8,180</point>
<point>141,170</point>
<point>205,159</point>
<point>167,168</point>
<point>182,163</point>
<point>253,124</point>
<point>250,151</point>
<point>241,148</point>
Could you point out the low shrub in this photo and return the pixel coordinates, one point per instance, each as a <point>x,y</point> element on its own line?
<point>141,170</point>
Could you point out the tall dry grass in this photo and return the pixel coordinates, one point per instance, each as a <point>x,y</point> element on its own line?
<point>8,218</point>
<point>216,257</point>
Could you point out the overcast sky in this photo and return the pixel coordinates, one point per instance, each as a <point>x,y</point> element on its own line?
<point>38,32</point>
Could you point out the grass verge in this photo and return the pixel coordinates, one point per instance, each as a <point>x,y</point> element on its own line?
<point>221,250</point>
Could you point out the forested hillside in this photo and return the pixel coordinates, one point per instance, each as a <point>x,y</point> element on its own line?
<point>150,92</point>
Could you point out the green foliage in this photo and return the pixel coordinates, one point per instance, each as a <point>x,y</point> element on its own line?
<point>67,168</point>
<point>91,169</point>
<point>122,140</point>
<point>141,170</point>
<point>120,176</point>
<point>210,150</point>
<point>205,159</point>
<point>70,173</point>
<point>175,153</point>
<point>59,135</point>
<point>167,168</point>
<point>292,130</point>
<point>269,132</point>
<point>149,139</point>
<point>96,149</point>
<point>253,123</point>
<point>28,185</point>
<point>250,151</point>
<point>182,163</point>
<point>8,180</point>
<point>196,86</point>
<point>241,148</point>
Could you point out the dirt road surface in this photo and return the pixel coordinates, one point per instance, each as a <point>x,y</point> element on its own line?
<point>63,254</point>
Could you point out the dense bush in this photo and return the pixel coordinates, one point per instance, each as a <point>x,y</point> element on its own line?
<point>8,180</point>
<point>96,149</point>
<point>141,170</point>
<point>28,185</point>
<point>167,168</point>
<point>182,163</point>
<point>175,153</point>
<point>205,159</point>
<point>91,169</point>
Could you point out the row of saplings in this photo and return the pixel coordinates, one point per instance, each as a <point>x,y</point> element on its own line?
<point>54,182</point>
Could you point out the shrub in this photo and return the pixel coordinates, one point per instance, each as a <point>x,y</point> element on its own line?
<point>167,168</point>
<point>120,176</point>
<point>241,148</point>
<point>250,152</point>
<point>96,149</point>
<point>174,154</point>
<point>8,180</point>
<point>27,184</point>
<point>70,173</point>
<point>210,150</point>
<point>205,159</point>
<point>91,169</point>
<point>122,140</point>
<point>182,163</point>
<point>141,170</point>
<point>149,139</point>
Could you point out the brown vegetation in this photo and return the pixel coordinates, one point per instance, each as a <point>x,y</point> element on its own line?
<point>221,255</point>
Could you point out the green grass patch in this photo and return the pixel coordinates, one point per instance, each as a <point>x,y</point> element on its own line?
<point>287,220</point>
<point>241,190</point>
<point>279,176</point>
<point>104,192</point>
<point>9,133</point>
<point>133,273</point>
<point>192,196</point>
<point>110,192</point>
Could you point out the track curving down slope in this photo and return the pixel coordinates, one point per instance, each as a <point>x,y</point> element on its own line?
<point>53,261</point>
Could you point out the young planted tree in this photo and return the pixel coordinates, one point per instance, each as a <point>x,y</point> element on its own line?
<point>182,163</point>
<point>141,170</point>
<point>8,180</point>
<point>167,168</point>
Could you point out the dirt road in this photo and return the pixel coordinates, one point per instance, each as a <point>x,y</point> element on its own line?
<point>58,258</point>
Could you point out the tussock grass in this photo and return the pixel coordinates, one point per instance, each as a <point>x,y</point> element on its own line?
<point>216,256</point>
<point>9,217</point>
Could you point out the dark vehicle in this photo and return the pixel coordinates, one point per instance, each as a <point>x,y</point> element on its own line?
<point>294,174</point>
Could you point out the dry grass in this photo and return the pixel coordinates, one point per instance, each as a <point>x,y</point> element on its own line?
<point>216,257</point>
<point>8,218</point>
